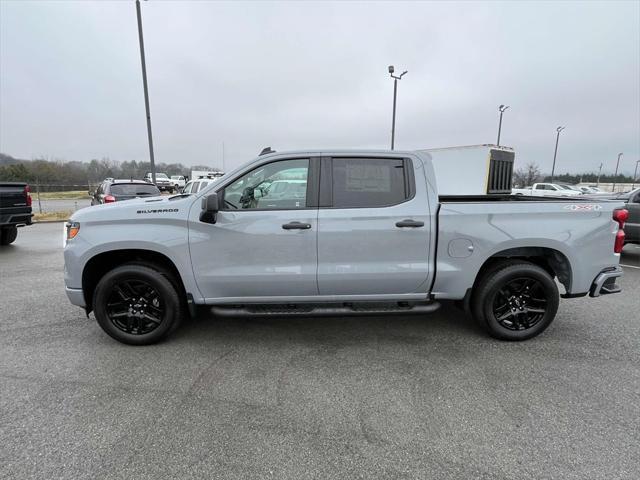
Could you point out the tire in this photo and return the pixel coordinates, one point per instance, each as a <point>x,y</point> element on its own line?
<point>8,235</point>
<point>515,301</point>
<point>128,297</point>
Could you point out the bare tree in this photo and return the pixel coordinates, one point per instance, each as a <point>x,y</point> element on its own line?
<point>524,177</point>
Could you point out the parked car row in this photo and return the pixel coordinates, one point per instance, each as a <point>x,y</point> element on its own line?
<point>163,182</point>
<point>555,190</point>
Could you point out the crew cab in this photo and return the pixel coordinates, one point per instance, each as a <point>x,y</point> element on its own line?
<point>547,189</point>
<point>15,210</point>
<point>368,235</point>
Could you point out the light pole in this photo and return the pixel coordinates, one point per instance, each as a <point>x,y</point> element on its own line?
<point>599,173</point>
<point>395,94</point>
<point>613,189</point>
<point>635,175</point>
<point>146,93</point>
<point>501,109</point>
<point>555,153</point>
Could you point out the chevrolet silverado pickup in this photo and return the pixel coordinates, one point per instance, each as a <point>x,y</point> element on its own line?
<point>15,210</point>
<point>362,232</point>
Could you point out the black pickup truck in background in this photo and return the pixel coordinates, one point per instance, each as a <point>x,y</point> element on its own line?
<point>15,210</point>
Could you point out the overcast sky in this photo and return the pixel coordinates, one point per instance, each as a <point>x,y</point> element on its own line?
<point>313,75</point>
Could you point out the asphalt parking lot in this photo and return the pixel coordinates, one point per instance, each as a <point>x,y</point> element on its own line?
<point>387,397</point>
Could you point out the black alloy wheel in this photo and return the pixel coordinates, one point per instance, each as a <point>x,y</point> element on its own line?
<point>135,307</point>
<point>515,300</point>
<point>520,304</point>
<point>138,304</point>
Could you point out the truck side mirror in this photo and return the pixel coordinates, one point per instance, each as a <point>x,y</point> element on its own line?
<point>210,207</point>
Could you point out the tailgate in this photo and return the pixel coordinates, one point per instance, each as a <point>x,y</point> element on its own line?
<point>12,195</point>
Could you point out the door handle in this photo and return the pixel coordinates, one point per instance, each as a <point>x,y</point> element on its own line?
<point>296,226</point>
<point>407,222</point>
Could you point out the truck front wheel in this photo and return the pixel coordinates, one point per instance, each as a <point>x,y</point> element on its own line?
<point>136,304</point>
<point>8,235</point>
<point>515,301</point>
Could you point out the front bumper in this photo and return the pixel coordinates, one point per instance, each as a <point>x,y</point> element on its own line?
<point>76,296</point>
<point>605,282</point>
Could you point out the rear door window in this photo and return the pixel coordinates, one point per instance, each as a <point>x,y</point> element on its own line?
<point>134,189</point>
<point>369,182</point>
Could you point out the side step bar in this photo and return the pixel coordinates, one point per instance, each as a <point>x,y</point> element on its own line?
<point>325,309</point>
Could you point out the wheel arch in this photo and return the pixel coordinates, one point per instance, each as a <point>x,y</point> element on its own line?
<point>103,262</point>
<point>551,260</point>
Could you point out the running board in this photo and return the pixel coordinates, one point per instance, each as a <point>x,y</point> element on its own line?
<point>324,309</point>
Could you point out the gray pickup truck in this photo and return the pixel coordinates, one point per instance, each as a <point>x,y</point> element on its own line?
<point>334,233</point>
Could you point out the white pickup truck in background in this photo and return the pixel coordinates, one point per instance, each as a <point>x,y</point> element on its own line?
<point>546,189</point>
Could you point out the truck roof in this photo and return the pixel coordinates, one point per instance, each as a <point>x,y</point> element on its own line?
<point>463,147</point>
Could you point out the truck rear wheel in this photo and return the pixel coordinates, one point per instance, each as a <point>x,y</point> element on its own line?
<point>8,235</point>
<point>515,301</point>
<point>136,304</point>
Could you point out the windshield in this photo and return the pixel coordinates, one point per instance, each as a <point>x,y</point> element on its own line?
<point>134,189</point>
<point>162,175</point>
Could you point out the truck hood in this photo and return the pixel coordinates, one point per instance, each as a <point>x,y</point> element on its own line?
<point>137,209</point>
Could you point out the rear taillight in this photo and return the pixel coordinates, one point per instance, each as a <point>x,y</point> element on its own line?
<point>620,215</point>
<point>26,192</point>
<point>109,199</point>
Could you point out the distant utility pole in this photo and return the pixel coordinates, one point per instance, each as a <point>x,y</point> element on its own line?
<point>635,175</point>
<point>501,109</point>
<point>555,153</point>
<point>599,173</point>
<point>395,93</point>
<point>223,167</point>
<point>613,189</point>
<point>146,93</point>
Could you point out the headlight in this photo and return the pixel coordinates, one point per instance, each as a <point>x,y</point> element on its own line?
<point>72,229</point>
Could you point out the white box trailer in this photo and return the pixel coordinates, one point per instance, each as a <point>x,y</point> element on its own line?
<point>473,170</point>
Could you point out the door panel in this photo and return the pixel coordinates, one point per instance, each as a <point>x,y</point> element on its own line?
<point>249,254</point>
<point>361,251</point>
<point>264,241</point>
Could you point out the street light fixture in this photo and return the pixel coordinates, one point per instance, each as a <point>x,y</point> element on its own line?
<point>599,173</point>
<point>635,176</point>
<point>146,93</point>
<point>395,93</point>
<point>555,153</point>
<point>613,189</point>
<point>501,109</point>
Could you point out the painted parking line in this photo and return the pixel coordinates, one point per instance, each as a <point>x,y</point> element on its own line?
<point>629,266</point>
